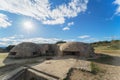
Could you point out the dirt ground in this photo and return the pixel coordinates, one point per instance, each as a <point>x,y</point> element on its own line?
<point>61,67</point>
<point>4,60</point>
<point>109,71</point>
<point>7,64</point>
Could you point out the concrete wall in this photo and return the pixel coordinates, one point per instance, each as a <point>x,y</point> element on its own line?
<point>48,49</point>
<point>27,74</point>
<point>33,76</point>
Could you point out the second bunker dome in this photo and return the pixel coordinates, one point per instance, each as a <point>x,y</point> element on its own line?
<point>25,49</point>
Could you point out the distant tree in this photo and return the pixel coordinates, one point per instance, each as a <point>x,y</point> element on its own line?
<point>1,50</point>
<point>59,42</point>
<point>9,47</point>
<point>100,43</point>
<point>115,41</point>
<point>115,44</point>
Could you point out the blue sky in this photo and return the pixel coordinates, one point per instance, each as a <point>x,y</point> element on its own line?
<point>48,21</point>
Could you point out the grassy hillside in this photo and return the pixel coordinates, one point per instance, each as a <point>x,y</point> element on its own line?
<point>107,45</point>
<point>111,47</point>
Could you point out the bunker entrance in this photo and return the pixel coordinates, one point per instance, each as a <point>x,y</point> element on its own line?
<point>73,53</point>
<point>12,53</point>
<point>35,53</point>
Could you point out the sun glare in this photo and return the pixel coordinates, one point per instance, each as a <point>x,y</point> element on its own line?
<point>28,25</point>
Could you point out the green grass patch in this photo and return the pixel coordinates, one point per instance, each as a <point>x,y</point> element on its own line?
<point>94,68</point>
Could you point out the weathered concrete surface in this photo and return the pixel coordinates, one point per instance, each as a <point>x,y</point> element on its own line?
<point>6,69</point>
<point>60,68</point>
<point>24,73</point>
<point>83,65</point>
<point>57,68</point>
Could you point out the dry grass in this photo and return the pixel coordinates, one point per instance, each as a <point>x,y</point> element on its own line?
<point>2,58</point>
<point>108,51</point>
<point>82,75</point>
<point>107,72</point>
<point>3,55</point>
<point>105,50</point>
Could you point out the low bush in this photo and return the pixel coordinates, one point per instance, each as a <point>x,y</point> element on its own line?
<point>94,68</point>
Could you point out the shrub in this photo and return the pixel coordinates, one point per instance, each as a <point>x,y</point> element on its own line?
<point>60,42</point>
<point>9,47</point>
<point>94,68</point>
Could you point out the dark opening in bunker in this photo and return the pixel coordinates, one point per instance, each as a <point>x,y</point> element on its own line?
<point>71,53</point>
<point>33,78</point>
<point>35,53</point>
<point>12,53</point>
<point>47,51</point>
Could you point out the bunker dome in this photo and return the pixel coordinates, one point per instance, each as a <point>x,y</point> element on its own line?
<point>25,49</point>
<point>48,49</point>
<point>76,48</point>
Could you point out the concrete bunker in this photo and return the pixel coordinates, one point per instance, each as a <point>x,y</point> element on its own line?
<point>76,49</point>
<point>48,49</point>
<point>28,49</point>
<point>25,49</point>
<point>73,53</point>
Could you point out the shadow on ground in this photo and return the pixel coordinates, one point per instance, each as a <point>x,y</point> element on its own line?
<point>23,61</point>
<point>107,59</point>
<point>104,59</point>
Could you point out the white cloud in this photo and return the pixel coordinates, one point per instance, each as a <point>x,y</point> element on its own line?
<point>117,2</point>
<point>53,22</point>
<point>112,37</point>
<point>90,40</point>
<point>4,21</point>
<point>16,39</point>
<point>71,23</point>
<point>3,44</point>
<point>68,26</point>
<point>70,40</point>
<point>42,11</point>
<point>84,36</point>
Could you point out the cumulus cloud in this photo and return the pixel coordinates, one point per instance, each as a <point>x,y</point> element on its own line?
<point>84,36</point>
<point>112,37</point>
<point>16,39</point>
<point>3,44</point>
<point>90,40</point>
<point>117,2</point>
<point>4,21</point>
<point>71,23</point>
<point>42,11</point>
<point>68,26</point>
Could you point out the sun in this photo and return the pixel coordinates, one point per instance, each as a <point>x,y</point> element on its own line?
<point>28,25</point>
